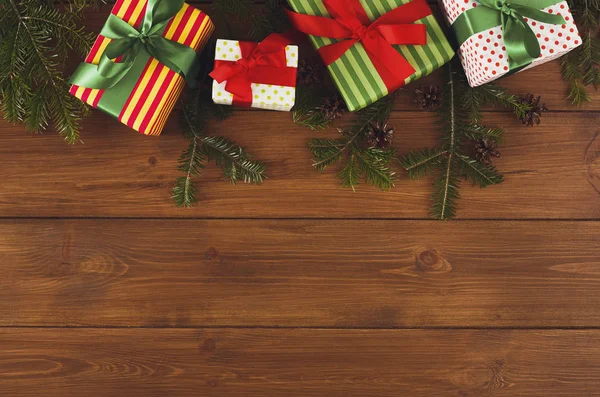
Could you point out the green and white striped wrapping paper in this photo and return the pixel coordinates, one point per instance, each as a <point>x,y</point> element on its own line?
<point>354,73</point>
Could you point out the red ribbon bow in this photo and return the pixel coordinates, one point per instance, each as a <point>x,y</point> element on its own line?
<point>350,25</point>
<point>263,63</point>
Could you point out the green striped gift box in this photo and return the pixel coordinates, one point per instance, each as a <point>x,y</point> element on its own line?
<point>354,73</point>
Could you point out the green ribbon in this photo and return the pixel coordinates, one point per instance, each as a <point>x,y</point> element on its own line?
<point>522,45</point>
<point>135,46</point>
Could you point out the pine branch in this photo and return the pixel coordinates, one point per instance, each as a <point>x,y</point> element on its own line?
<point>459,118</point>
<point>420,163</point>
<point>477,132</point>
<point>481,175</point>
<point>581,67</point>
<point>489,94</point>
<point>308,110</point>
<point>361,160</point>
<point>233,160</point>
<point>236,164</point>
<point>35,39</point>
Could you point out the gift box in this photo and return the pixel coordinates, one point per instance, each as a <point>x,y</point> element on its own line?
<point>372,47</point>
<point>256,75</point>
<point>130,84</point>
<point>498,38</point>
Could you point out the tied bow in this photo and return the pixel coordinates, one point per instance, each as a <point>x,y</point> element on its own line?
<point>263,63</point>
<point>522,45</point>
<point>128,44</point>
<point>350,25</point>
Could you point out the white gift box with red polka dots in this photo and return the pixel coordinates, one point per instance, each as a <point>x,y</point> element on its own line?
<point>264,96</point>
<point>484,56</point>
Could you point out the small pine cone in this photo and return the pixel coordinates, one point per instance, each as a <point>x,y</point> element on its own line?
<point>485,150</point>
<point>533,116</point>
<point>333,107</point>
<point>309,74</point>
<point>428,97</point>
<point>380,136</point>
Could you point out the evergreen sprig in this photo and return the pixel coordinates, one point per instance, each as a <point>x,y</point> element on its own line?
<point>474,99</point>
<point>361,161</point>
<point>35,41</point>
<point>459,118</point>
<point>581,67</point>
<point>308,110</point>
<point>236,164</point>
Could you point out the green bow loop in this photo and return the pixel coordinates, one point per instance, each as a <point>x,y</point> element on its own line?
<point>132,45</point>
<point>522,45</point>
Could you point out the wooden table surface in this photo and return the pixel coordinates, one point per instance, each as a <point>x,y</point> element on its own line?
<point>300,287</point>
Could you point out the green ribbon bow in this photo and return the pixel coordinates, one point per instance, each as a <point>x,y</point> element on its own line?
<point>522,45</point>
<point>134,45</point>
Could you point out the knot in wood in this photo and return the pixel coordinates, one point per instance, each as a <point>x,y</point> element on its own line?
<point>431,261</point>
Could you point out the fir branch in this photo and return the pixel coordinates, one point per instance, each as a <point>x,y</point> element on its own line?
<point>477,132</point>
<point>420,163</point>
<point>236,164</point>
<point>490,94</point>
<point>581,67</point>
<point>481,175</point>
<point>233,160</point>
<point>308,110</point>
<point>459,118</point>
<point>327,152</point>
<point>361,161</point>
<point>35,39</point>
<point>376,166</point>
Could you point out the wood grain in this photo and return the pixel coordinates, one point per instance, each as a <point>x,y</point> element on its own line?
<point>551,171</point>
<point>299,273</point>
<point>276,362</point>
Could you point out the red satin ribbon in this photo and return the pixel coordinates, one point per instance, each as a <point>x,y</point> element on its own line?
<point>261,63</point>
<point>350,24</point>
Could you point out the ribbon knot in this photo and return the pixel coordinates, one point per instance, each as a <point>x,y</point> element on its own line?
<point>144,39</point>
<point>360,32</point>
<point>261,63</point>
<point>505,8</point>
<point>349,24</point>
<point>128,44</point>
<point>522,45</point>
<point>247,63</point>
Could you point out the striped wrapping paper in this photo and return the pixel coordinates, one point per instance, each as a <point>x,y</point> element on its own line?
<point>154,95</point>
<point>354,73</point>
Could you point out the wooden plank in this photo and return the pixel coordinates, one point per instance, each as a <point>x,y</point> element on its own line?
<point>299,273</point>
<point>298,362</point>
<point>531,81</point>
<point>552,171</point>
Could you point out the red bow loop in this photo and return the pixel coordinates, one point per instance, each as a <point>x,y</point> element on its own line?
<point>350,24</point>
<point>263,63</point>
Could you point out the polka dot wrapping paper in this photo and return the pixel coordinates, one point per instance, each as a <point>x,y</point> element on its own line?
<point>264,96</point>
<point>484,55</point>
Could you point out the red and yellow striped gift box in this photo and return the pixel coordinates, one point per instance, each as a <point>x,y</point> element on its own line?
<point>157,89</point>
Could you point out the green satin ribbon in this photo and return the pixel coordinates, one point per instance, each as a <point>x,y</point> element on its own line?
<point>135,46</point>
<point>522,45</point>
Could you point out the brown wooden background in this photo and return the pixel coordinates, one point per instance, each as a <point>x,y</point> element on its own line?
<point>300,287</point>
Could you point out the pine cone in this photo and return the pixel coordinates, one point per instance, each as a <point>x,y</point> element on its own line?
<point>380,136</point>
<point>333,107</point>
<point>533,116</point>
<point>486,149</point>
<point>428,97</point>
<point>309,74</point>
